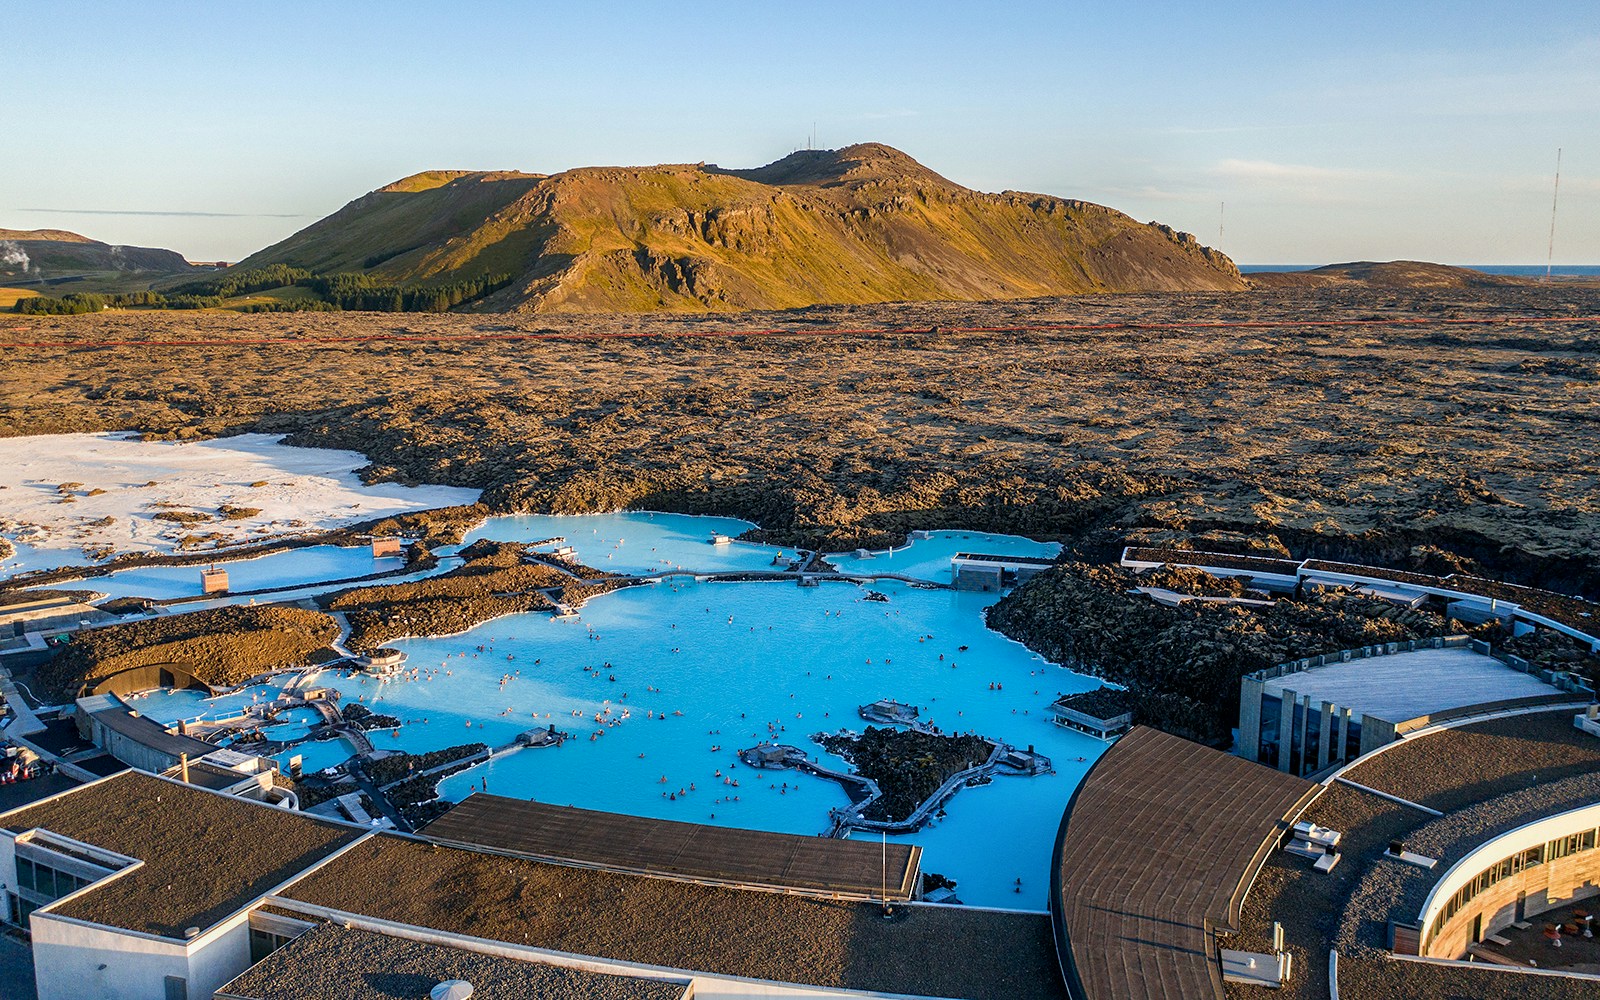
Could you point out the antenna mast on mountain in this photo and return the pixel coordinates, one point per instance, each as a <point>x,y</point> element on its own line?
<point>1222,212</point>
<point>1555,199</point>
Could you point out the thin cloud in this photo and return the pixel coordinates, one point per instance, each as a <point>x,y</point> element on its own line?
<point>1266,171</point>
<point>1150,193</point>
<point>186,215</point>
<point>1231,129</point>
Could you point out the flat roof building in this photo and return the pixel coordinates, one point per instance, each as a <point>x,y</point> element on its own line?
<point>1311,714</point>
<point>925,950</point>
<point>1156,851</point>
<point>334,961</point>
<point>976,571</point>
<point>135,739</point>
<point>136,885</point>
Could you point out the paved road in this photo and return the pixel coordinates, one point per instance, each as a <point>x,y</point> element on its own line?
<point>16,969</point>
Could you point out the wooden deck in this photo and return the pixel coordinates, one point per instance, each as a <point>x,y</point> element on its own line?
<point>848,869</point>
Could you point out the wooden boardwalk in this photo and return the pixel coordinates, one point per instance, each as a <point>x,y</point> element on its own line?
<point>690,851</point>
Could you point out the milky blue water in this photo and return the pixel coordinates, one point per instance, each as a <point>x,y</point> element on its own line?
<point>640,541</point>
<point>929,558</point>
<point>684,674</point>
<point>276,571</point>
<point>30,558</point>
<point>316,755</point>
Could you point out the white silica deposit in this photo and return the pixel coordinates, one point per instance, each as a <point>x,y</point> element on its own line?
<point>81,498</point>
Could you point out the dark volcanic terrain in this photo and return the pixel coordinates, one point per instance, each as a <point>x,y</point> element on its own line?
<point>1434,430</point>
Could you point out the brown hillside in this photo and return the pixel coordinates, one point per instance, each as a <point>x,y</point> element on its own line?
<point>857,225</point>
<point>54,256</point>
<point>1384,274</point>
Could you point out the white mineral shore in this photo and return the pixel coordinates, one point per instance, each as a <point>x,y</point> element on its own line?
<point>46,482</point>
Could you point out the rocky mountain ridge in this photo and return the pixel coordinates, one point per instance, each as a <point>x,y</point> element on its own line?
<point>852,226</point>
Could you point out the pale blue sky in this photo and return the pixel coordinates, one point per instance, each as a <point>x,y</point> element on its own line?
<point>1356,130</point>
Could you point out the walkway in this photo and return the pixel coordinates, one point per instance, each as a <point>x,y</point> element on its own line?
<point>25,722</point>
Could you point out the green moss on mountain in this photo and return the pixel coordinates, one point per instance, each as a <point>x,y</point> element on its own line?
<point>857,225</point>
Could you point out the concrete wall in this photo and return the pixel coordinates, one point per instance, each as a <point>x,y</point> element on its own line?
<point>978,578</point>
<point>1250,690</point>
<point>72,961</point>
<point>220,955</point>
<point>130,751</point>
<point>8,875</point>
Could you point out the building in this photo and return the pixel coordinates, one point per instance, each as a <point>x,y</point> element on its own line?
<point>973,571</point>
<point>1155,854</point>
<point>154,889</point>
<point>1182,873</point>
<point>714,855</point>
<point>136,740</point>
<point>330,960</point>
<point>49,615</point>
<point>1314,713</point>
<point>1492,818</point>
<point>1464,597</point>
<point>138,886</point>
<point>1103,714</point>
<point>238,774</point>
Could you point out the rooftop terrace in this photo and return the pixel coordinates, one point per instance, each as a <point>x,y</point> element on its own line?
<point>925,950</point>
<point>1404,686</point>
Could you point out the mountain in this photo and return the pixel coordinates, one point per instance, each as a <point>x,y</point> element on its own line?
<point>59,258</point>
<point>1383,274</point>
<point>862,224</point>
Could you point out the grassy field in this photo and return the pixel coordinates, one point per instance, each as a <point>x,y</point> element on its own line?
<point>290,294</point>
<point>10,296</point>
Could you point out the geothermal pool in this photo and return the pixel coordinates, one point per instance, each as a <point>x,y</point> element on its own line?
<point>641,542</point>
<point>684,674</point>
<point>283,570</point>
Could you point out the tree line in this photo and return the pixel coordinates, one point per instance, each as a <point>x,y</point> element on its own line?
<point>353,292</point>
<point>88,302</point>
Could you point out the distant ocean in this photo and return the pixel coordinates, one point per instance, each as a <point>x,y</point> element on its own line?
<point>1516,270</point>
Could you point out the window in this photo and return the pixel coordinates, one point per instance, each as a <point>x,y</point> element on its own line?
<point>41,879</point>
<point>25,877</point>
<point>177,988</point>
<point>264,943</point>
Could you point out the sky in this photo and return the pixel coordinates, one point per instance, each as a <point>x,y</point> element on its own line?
<point>1281,132</point>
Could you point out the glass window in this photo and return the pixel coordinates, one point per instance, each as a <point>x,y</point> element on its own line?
<point>1586,840</point>
<point>25,877</point>
<point>260,945</point>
